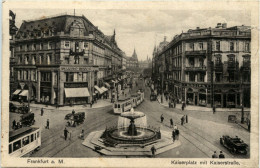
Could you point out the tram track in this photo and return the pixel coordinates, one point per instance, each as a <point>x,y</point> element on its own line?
<point>59,142</point>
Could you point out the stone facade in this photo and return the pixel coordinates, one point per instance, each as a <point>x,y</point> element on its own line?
<point>207,67</point>
<point>61,52</point>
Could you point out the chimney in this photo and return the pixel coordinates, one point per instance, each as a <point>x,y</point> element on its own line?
<point>224,25</point>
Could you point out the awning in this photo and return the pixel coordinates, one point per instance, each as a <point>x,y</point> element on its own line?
<point>107,85</point>
<point>17,92</point>
<point>104,89</point>
<point>24,93</point>
<point>76,92</point>
<point>98,89</point>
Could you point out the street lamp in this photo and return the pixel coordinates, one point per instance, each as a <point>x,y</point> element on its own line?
<point>212,84</point>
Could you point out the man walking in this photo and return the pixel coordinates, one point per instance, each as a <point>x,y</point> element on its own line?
<point>221,155</point>
<point>162,118</point>
<point>65,133</point>
<point>171,122</point>
<point>215,155</point>
<point>42,111</point>
<point>177,132</point>
<point>48,124</point>
<point>186,118</point>
<point>153,150</point>
<point>182,120</point>
<point>214,109</point>
<point>173,135</point>
<point>182,107</point>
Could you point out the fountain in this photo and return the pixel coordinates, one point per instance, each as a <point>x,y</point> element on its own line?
<point>131,136</point>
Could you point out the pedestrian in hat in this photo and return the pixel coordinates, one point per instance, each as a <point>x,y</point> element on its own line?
<point>65,133</point>
<point>42,111</point>
<point>221,155</point>
<point>215,155</point>
<point>153,150</point>
<point>171,122</point>
<point>48,124</point>
<point>162,118</point>
<point>186,118</point>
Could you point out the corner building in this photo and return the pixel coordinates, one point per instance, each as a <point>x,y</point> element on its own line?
<point>62,59</point>
<point>207,66</point>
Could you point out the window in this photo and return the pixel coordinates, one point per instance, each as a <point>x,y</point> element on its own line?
<point>33,59</point>
<point>191,77</point>
<point>192,46</point>
<point>84,76</point>
<point>85,45</point>
<point>75,77</point>
<point>49,59</point>
<point>21,48</point>
<point>231,76</point>
<point>247,47</point>
<point>26,141</point>
<point>218,60</point>
<point>85,60</point>
<point>18,75</point>
<point>41,46</point>
<point>67,60</point>
<point>27,47</point>
<point>26,59</point>
<point>17,145</point>
<point>191,62</point>
<point>32,138</point>
<point>231,46</point>
<point>246,60</point>
<point>67,44</point>
<point>218,77</point>
<point>41,59</point>
<point>20,59</point>
<point>34,47</point>
<point>218,45</point>
<point>201,77</point>
<point>201,46</point>
<point>76,59</point>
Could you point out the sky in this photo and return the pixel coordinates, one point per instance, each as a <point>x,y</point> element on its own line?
<point>142,29</point>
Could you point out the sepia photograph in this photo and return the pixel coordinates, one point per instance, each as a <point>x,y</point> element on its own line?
<point>127,83</point>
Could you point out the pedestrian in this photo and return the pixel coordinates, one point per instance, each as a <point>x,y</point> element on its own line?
<point>162,118</point>
<point>173,135</point>
<point>182,120</point>
<point>249,126</point>
<point>42,111</point>
<point>153,150</point>
<point>48,124</point>
<point>171,122</point>
<point>221,155</point>
<point>186,118</point>
<point>81,135</point>
<point>214,109</point>
<point>182,107</point>
<point>215,155</point>
<point>73,111</point>
<point>175,127</point>
<point>65,133</point>
<point>177,132</point>
<point>14,124</point>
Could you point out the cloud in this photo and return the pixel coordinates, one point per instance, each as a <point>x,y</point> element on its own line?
<point>141,29</point>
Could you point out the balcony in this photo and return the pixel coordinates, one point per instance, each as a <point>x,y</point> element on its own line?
<point>196,53</point>
<point>218,67</point>
<point>232,65</point>
<point>246,66</point>
<point>192,68</point>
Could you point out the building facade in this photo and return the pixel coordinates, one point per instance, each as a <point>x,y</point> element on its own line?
<point>207,67</point>
<point>63,60</point>
<point>132,62</point>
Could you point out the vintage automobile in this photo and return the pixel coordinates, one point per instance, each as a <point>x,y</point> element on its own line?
<point>27,119</point>
<point>76,119</point>
<point>23,109</point>
<point>12,107</point>
<point>234,145</point>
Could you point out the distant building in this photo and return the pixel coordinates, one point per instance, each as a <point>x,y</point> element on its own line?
<point>206,66</point>
<point>145,64</point>
<point>132,62</point>
<point>63,60</point>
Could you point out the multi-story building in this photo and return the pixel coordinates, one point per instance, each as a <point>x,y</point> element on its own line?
<point>12,31</point>
<point>63,60</point>
<point>207,67</point>
<point>132,62</point>
<point>145,64</point>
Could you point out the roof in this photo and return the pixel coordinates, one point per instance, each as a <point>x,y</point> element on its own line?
<point>20,132</point>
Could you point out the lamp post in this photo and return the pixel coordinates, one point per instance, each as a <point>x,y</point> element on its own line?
<point>212,84</point>
<point>242,102</point>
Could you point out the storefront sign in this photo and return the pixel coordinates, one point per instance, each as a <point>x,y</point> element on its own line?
<point>81,69</point>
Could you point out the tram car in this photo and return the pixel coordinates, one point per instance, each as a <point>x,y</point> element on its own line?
<point>27,119</point>
<point>141,92</point>
<point>122,105</point>
<point>24,141</point>
<point>134,100</point>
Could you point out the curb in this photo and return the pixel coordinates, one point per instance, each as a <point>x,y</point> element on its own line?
<point>242,126</point>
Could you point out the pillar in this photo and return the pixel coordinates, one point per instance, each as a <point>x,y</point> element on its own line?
<point>38,93</point>
<point>61,89</point>
<point>52,86</point>
<point>222,101</point>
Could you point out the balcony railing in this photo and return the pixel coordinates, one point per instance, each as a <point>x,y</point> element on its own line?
<point>192,68</point>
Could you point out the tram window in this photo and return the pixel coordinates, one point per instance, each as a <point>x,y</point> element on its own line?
<point>17,145</point>
<point>10,148</point>
<point>32,139</point>
<point>25,140</point>
<point>35,136</point>
<point>38,134</point>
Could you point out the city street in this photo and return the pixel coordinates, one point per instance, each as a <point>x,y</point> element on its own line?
<point>198,138</point>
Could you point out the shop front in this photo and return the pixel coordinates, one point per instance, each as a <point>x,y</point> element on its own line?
<point>202,97</point>
<point>75,96</point>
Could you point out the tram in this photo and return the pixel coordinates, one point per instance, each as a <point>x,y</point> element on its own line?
<point>122,105</point>
<point>24,141</point>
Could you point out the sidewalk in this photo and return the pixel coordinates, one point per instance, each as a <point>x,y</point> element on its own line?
<point>198,108</point>
<point>100,104</point>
